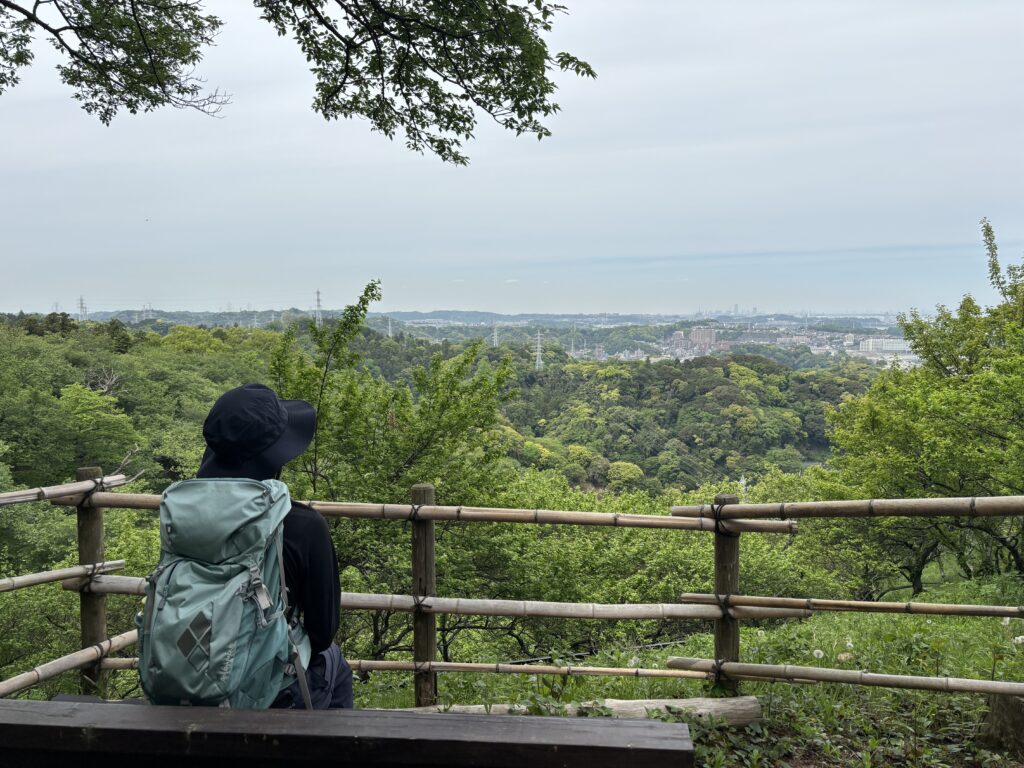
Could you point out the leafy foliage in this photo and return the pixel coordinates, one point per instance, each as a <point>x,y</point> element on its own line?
<point>952,427</point>
<point>420,67</point>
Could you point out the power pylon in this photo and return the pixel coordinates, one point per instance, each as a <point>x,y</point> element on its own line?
<point>539,360</point>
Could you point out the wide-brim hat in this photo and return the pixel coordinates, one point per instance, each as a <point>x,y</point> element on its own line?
<point>251,432</point>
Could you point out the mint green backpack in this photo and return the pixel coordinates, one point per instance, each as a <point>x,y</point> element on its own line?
<point>214,630</point>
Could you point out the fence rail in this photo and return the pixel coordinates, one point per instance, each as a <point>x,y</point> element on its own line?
<point>463,514</point>
<point>726,519</point>
<point>965,506</point>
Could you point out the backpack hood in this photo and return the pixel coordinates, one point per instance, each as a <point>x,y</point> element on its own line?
<point>218,519</point>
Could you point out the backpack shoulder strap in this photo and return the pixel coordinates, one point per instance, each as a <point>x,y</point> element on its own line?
<point>300,671</point>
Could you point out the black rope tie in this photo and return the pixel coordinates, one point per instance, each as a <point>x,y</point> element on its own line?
<point>94,571</point>
<point>419,603</point>
<point>414,512</point>
<point>974,507</point>
<point>723,604</point>
<point>720,529</point>
<point>716,670</point>
<point>871,507</point>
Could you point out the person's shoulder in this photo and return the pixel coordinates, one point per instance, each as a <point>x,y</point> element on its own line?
<point>305,517</point>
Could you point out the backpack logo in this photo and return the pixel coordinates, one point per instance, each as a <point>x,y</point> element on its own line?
<point>194,642</point>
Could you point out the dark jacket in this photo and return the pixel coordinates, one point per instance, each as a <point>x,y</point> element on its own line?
<point>311,574</point>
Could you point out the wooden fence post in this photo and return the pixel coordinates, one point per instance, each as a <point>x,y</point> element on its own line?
<point>424,584</point>
<point>727,582</point>
<point>93,608</point>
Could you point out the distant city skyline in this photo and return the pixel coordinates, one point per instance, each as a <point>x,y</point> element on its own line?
<point>800,155</point>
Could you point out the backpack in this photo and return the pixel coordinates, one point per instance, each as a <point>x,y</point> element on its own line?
<point>215,628</point>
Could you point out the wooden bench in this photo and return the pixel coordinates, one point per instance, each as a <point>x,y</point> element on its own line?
<point>38,734</point>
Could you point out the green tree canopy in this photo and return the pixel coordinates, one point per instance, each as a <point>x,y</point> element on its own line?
<point>952,427</point>
<point>419,67</point>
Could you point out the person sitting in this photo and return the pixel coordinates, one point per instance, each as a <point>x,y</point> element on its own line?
<point>251,433</point>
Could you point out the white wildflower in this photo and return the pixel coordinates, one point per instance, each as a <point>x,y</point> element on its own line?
<point>849,643</point>
<point>1006,621</point>
<point>818,653</point>
<point>1019,640</point>
<point>634,662</point>
<point>760,633</point>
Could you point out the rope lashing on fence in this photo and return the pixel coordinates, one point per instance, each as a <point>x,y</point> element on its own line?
<point>723,604</point>
<point>420,604</point>
<point>720,529</point>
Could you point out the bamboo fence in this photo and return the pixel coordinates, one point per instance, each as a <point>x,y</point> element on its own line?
<point>120,663</point>
<point>44,577</point>
<point>473,514</point>
<point>536,608</point>
<point>522,669</point>
<point>460,606</point>
<point>76,660</point>
<point>857,606</point>
<point>788,673</point>
<point>966,506</point>
<point>360,665</point>
<point>724,518</point>
<point>107,585</point>
<point>740,606</point>
<point>57,491</point>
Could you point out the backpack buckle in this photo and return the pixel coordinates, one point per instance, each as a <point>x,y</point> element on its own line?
<point>262,595</point>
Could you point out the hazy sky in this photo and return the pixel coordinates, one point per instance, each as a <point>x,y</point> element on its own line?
<point>805,154</point>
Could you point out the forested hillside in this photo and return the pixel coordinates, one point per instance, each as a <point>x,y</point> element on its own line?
<point>488,429</point>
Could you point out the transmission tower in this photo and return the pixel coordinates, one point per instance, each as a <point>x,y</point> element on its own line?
<point>390,336</point>
<point>83,313</point>
<point>572,342</point>
<point>539,360</point>
<point>317,316</point>
<point>494,336</point>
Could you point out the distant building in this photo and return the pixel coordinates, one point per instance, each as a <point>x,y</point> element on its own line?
<point>885,344</point>
<point>794,341</point>
<point>703,337</point>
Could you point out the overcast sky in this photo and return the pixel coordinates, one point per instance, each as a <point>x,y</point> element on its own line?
<point>807,154</point>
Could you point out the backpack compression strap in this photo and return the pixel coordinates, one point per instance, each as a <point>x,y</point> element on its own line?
<point>296,656</point>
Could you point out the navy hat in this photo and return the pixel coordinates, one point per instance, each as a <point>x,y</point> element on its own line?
<point>250,432</point>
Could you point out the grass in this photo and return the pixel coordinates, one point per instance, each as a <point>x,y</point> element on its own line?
<point>803,725</point>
